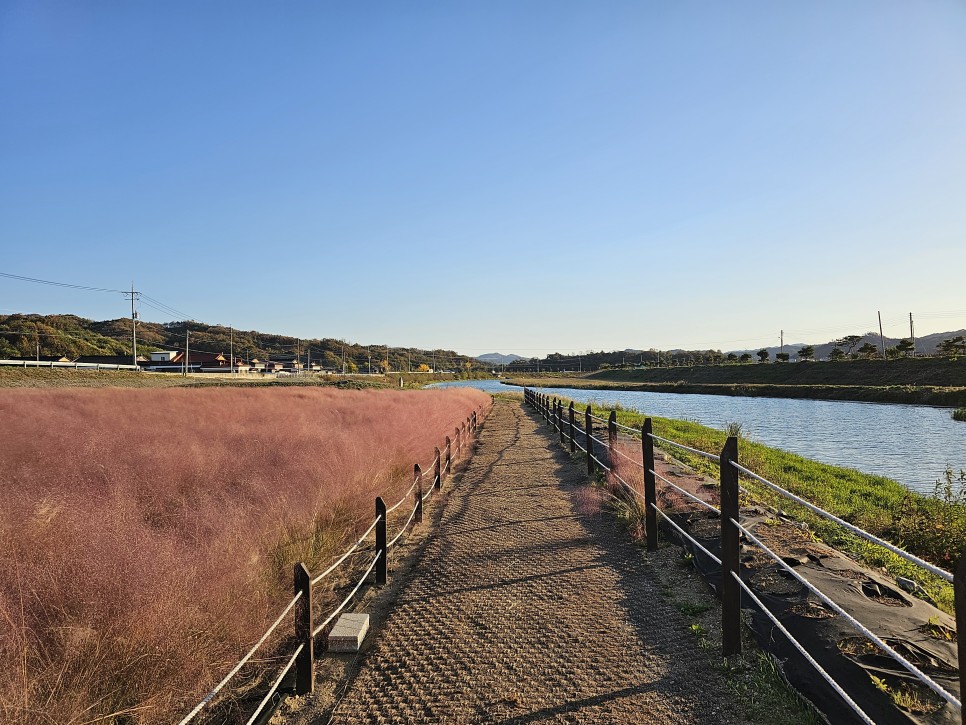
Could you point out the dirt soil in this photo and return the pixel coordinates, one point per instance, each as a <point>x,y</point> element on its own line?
<point>524,603</point>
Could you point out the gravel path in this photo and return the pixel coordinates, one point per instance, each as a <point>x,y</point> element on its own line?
<point>528,605</point>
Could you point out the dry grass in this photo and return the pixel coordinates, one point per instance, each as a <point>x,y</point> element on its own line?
<point>147,536</point>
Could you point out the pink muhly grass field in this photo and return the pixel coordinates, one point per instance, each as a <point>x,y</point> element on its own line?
<point>147,537</point>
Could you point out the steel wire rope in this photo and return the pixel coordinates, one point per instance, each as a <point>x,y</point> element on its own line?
<point>624,455</point>
<point>710,456</point>
<point>345,601</point>
<point>211,695</point>
<point>685,534</point>
<point>795,643</point>
<point>688,494</point>
<point>345,556</point>
<point>601,463</point>
<point>403,529</point>
<point>942,573</point>
<point>274,688</point>
<point>856,624</point>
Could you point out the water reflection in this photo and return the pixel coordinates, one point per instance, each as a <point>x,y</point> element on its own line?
<point>909,443</point>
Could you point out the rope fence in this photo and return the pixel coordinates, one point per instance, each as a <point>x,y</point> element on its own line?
<point>732,531</point>
<point>302,658</point>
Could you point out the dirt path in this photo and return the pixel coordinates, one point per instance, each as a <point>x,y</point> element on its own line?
<point>530,606</point>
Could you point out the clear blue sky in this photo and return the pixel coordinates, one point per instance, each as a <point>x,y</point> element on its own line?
<point>514,176</point>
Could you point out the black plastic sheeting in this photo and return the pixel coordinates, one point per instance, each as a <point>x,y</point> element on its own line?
<point>875,601</point>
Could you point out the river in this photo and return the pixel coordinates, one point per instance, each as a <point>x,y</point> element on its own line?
<point>908,443</point>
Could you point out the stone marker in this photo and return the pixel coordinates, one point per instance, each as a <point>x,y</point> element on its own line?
<point>348,633</point>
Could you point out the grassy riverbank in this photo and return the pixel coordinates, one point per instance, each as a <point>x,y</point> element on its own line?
<point>931,527</point>
<point>909,394</point>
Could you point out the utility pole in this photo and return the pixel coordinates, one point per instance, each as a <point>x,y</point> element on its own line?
<point>231,348</point>
<point>410,358</point>
<point>134,327</point>
<point>912,334</point>
<point>881,336</point>
<point>37,331</point>
<point>186,349</point>
<point>343,357</point>
<point>782,338</point>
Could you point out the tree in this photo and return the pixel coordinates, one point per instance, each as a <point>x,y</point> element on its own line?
<point>953,346</point>
<point>848,342</point>
<point>732,357</point>
<point>745,357</point>
<point>782,356</point>
<point>836,353</point>
<point>904,347</point>
<point>423,368</point>
<point>763,355</point>
<point>806,353</point>
<point>868,350</point>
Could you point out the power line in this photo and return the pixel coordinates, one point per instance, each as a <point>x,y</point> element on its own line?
<point>61,284</point>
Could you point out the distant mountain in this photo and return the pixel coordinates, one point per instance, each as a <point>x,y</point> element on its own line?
<point>925,345</point>
<point>495,358</point>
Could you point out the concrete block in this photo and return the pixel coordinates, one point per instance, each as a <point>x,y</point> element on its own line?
<point>348,633</point>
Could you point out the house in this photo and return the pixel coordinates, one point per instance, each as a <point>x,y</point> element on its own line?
<point>198,362</point>
<point>46,358</point>
<point>288,363</point>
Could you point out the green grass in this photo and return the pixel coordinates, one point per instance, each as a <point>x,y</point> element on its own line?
<point>959,414</point>
<point>931,527</point>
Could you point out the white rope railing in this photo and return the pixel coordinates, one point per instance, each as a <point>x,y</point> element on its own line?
<point>861,628</point>
<point>345,556</point>
<point>687,494</point>
<point>797,645</point>
<point>241,663</point>
<point>685,534</point>
<point>345,601</point>
<point>403,530</point>
<point>942,573</point>
<point>707,455</point>
<point>274,688</point>
<point>405,496</point>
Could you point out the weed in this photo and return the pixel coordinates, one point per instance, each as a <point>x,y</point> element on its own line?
<point>692,609</point>
<point>147,537</point>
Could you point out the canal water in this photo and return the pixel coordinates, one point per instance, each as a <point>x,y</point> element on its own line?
<point>911,444</point>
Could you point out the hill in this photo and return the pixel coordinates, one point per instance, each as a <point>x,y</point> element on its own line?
<point>72,336</point>
<point>496,358</point>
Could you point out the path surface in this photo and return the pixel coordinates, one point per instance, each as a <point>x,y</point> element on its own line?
<point>530,606</point>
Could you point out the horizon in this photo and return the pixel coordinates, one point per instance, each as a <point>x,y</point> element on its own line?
<point>521,180</point>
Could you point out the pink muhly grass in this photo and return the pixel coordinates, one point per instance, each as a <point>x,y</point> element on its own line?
<point>147,537</point>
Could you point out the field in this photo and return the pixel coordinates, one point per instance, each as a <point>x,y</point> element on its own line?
<point>147,536</point>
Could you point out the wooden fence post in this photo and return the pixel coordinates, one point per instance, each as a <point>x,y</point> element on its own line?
<point>382,551</point>
<point>418,476</point>
<point>570,414</point>
<point>305,662</point>
<point>447,469</point>
<point>730,590</point>
<point>650,488</point>
<point>959,589</point>
<point>463,439</point>
<point>589,427</point>
<point>612,429</point>
<point>560,424</point>
<point>459,446</point>
<point>438,470</point>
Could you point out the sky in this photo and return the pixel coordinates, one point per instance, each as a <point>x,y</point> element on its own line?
<point>524,177</point>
